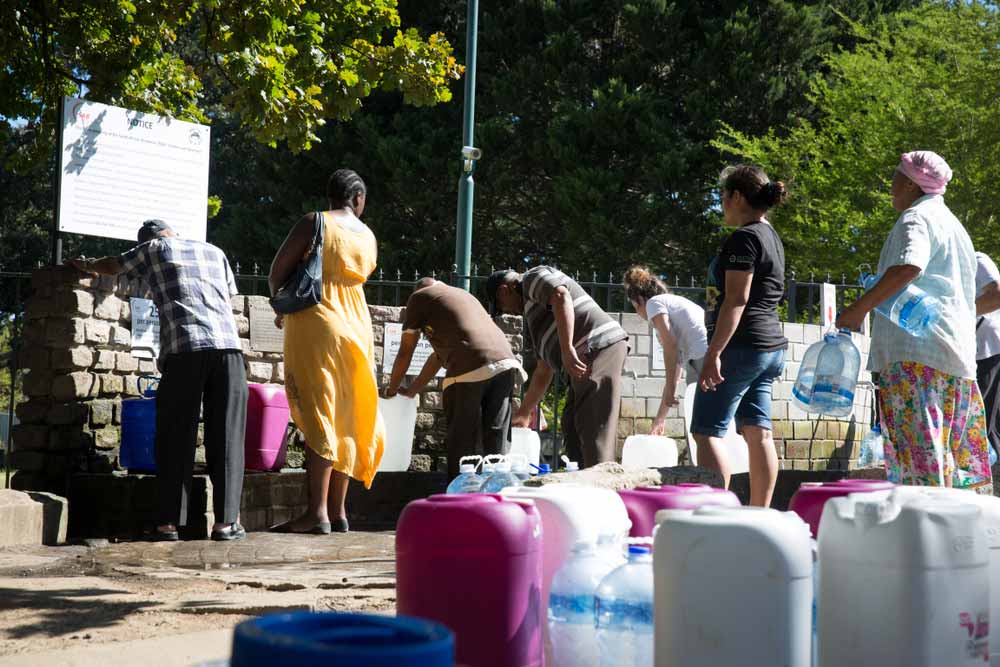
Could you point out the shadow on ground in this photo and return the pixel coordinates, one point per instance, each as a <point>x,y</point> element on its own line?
<point>65,611</point>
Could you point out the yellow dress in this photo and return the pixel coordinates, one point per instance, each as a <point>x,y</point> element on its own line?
<point>330,359</point>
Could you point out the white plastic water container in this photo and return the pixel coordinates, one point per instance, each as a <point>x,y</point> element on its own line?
<point>571,513</point>
<point>502,477</point>
<point>649,451</point>
<point>399,414</point>
<point>571,607</point>
<point>525,441</point>
<point>903,584</point>
<point>467,481</point>
<point>734,444</point>
<point>990,507</point>
<point>733,587</point>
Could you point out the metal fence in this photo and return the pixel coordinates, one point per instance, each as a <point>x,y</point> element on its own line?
<point>14,290</point>
<point>801,302</point>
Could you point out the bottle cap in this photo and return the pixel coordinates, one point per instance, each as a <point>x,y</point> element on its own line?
<point>638,549</point>
<point>877,428</point>
<point>572,466</point>
<point>543,469</point>
<point>466,469</point>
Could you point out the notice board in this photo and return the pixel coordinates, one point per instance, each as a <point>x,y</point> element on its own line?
<point>120,167</point>
<point>390,349</point>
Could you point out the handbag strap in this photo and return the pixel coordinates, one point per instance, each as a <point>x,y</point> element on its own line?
<point>318,230</point>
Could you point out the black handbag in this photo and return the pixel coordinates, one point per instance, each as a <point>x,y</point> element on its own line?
<point>304,288</point>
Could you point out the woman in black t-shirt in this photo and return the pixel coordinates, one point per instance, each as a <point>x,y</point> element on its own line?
<point>746,349</point>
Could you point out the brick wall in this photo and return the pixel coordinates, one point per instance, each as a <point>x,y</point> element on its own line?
<point>76,350</point>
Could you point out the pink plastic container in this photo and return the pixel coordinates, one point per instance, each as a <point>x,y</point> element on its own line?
<point>267,419</point>
<point>808,501</point>
<point>643,503</point>
<point>474,563</point>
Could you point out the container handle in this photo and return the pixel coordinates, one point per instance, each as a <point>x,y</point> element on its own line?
<point>474,457</point>
<point>154,382</point>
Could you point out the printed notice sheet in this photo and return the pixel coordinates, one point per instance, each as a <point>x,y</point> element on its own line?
<point>121,167</point>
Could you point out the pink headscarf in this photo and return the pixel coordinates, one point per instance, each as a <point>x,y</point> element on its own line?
<point>927,169</point>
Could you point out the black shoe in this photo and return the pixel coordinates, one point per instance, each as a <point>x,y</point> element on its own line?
<point>233,531</point>
<point>339,526</point>
<point>162,536</point>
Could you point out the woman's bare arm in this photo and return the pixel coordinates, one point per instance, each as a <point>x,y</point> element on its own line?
<point>291,252</point>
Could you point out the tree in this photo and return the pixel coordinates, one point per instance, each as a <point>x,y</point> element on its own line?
<point>595,120</point>
<point>286,65</point>
<point>925,79</point>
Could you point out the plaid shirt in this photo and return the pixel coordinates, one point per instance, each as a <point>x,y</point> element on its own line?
<point>191,284</point>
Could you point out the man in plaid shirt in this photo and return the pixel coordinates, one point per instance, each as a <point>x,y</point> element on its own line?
<point>201,359</point>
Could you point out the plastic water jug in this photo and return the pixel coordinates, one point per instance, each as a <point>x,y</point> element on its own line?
<point>911,309</point>
<point>267,422</point>
<point>802,390</point>
<point>907,584</point>
<point>571,607</point>
<point>467,481</point>
<point>643,503</point>
<point>573,513</point>
<point>623,612</point>
<point>649,451</point>
<point>399,414</point>
<point>345,640</point>
<point>501,477</point>
<point>837,370</point>
<point>525,441</point>
<point>990,507</point>
<point>474,563</point>
<point>809,499</point>
<point>137,452</point>
<point>872,448</point>
<point>733,587</point>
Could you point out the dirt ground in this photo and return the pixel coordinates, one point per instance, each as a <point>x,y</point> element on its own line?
<point>58,598</point>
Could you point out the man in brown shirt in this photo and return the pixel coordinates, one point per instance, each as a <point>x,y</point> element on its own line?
<point>480,368</point>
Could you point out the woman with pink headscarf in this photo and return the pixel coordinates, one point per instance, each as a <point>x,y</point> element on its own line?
<point>932,411</point>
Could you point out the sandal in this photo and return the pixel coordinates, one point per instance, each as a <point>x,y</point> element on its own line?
<point>321,528</point>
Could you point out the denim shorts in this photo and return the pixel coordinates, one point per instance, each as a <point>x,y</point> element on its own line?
<point>745,392</point>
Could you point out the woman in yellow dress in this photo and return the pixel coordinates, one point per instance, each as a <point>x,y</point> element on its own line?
<point>329,358</point>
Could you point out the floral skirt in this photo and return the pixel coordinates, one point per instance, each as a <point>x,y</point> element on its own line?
<point>935,428</point>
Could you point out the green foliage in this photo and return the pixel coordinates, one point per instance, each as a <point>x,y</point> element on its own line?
<point>284,66</point>
<point>595,120</point>
<point>924,79</point>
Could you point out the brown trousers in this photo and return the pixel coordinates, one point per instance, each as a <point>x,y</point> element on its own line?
<point>590,418</point>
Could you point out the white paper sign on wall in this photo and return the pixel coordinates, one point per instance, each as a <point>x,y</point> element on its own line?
<point>145,329</point>
<point>658,364</point>
<point>391,340</point>
<point>120,167</point>
<point>828,304</point>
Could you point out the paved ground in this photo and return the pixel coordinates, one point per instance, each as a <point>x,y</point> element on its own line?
<point>176,604</point>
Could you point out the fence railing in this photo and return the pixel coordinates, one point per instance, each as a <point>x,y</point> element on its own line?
<point>14,289</point>
<point>801,302</point>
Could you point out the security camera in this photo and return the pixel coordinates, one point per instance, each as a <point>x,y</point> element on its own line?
<point>471,152</point>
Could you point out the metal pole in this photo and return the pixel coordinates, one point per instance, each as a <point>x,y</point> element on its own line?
<point>15,352</point>
<point>466,186</point>
<point>57,184</point>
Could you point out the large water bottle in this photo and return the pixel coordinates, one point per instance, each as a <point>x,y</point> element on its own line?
<point>912,309</point>
<point>872,448</point>
<point>837,369</point>
<point>467,481</point>
<point>623,612</point>
<point>571,607</point>
<point>501,478</point>
<point>802,390</point>
<point>519,466</point>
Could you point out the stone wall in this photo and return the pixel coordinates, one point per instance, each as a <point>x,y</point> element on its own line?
<point>76,350</point>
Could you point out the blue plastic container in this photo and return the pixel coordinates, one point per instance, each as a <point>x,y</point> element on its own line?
<point>304,639</point>
<point>912,309</point>
<point>137,452</point>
